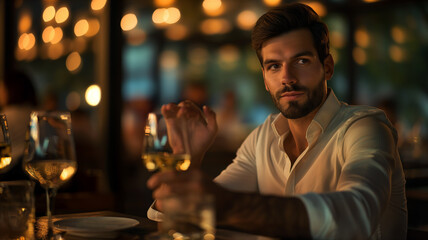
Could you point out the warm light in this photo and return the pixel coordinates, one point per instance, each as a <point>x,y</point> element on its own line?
<point>166,15</point>
<point>48,34</point>
<point>398,34</point>
<point>98,4</point>
<point>211,4</point>
<point>159,15</point>
<point>55,51</point>
<point>57,35</point>
<point>67,173</point>
<point>176,32</point>
<point>213,7</point>
<point>173,15</point>
<point>318,7</point>
<point>397,54</point>
<point>93,95</point>
<point>215,26</point>
<point>371,1</point>
<point>94,27</point>
<point>246,19</point>
<point>26,41</point>
<point>81,27</point>
<point>163,3</point>
<point>25,22</point>
<point>5,161</point>
<point>48,13</point>
<point>359,56</point>
<point>272,3</point>
<point>128,22</point>
<point>362,38</point>
<point>73,62</point>
<point>72,101</point>
<point>62,15</point>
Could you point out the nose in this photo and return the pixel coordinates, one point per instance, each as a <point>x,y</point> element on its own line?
<point>288,77</point>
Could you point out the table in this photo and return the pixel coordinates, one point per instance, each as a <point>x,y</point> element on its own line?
<point>138,232</point>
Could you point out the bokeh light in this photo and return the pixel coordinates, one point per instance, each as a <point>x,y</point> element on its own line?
<point>81,27</point>
<point>73,62</point>
<point>272,3</point>
<point>397,53</point>
<point>163,3</point>
<point>359,55</point>
<point>93,95</point>
<point>166,15</point>
<point>98,4</point>
<point>177,32</point>
<point>49,13</point>
<point>362,37</point>
<point>129,21</point>
<point>215,26</point>
<point>213,7</point>
<point>48,34</point>
<point>55,51</point>
<point>58,34</point>
<point>62,15</point>
<point>94,27</point>
<point>246,19</point>
<point>398,34</point>
<point>25,22</point>
<point>26,41</point>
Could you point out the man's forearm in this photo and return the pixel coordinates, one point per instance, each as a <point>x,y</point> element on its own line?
<point>265,215</point>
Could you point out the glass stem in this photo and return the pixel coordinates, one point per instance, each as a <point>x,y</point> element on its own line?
<point>50,197</point>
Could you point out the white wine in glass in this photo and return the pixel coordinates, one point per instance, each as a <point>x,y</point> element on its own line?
<point>163,152</point>
<point>49,154</point>
<point>5,148</point>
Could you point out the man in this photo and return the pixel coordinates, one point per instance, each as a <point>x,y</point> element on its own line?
<point>320,169</point>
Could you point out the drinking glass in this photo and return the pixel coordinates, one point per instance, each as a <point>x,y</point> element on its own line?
<point>17,212</point>
<point>49,154</point>
<point>163,150</point>
<point>5,148</point>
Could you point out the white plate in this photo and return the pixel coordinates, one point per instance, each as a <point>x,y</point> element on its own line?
<point>95,226</point>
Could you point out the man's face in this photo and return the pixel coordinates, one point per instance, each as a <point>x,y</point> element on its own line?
<point>293,73</point>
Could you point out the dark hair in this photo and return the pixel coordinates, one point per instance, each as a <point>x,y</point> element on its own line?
<point>286,18</point>
<point>20,89</point>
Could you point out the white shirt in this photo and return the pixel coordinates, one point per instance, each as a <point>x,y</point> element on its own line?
<point>350,177</point>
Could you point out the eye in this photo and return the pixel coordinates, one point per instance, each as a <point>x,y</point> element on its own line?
<point>302,61</point>
<point>273,66</point>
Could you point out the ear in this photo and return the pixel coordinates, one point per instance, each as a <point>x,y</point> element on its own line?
<point>328,67</point>
<point>264,80</point>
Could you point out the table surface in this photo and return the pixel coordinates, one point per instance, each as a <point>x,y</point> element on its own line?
<point>144,228</point>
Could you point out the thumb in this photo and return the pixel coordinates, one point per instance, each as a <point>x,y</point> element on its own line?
<point>211,119</point>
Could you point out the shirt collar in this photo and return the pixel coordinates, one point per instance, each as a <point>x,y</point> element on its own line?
<point>323,117</point>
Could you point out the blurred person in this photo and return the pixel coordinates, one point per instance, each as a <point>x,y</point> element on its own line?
<point>17,100</point>
<point>319,169</point>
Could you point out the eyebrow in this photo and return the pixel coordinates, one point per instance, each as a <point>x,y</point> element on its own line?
<point>300,54</point>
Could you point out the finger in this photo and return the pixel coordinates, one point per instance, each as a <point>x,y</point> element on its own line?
<point>170,110</point>
<point>211,119</point>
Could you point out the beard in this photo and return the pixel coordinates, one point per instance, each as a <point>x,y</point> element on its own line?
<point>296,110</point>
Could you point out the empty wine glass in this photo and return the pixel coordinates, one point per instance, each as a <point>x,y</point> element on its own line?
<point>5,148</point>
<point>163,150</point>
<point>50,155</point>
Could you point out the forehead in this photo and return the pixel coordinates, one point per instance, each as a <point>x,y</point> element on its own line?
<point>289,44</point>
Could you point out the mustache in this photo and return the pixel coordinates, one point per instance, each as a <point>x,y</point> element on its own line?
<point>290,88</point>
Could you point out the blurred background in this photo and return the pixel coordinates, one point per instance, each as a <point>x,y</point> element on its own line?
<point>110,62</point>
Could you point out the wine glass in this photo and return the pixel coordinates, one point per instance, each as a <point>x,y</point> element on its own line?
<point>163,150</point>
<point>49,154</point>
<point>5,148</point>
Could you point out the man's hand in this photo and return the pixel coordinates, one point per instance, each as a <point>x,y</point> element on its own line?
<point>201,127</point>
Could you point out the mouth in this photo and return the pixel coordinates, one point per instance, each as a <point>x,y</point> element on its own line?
<point>293,95</point>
